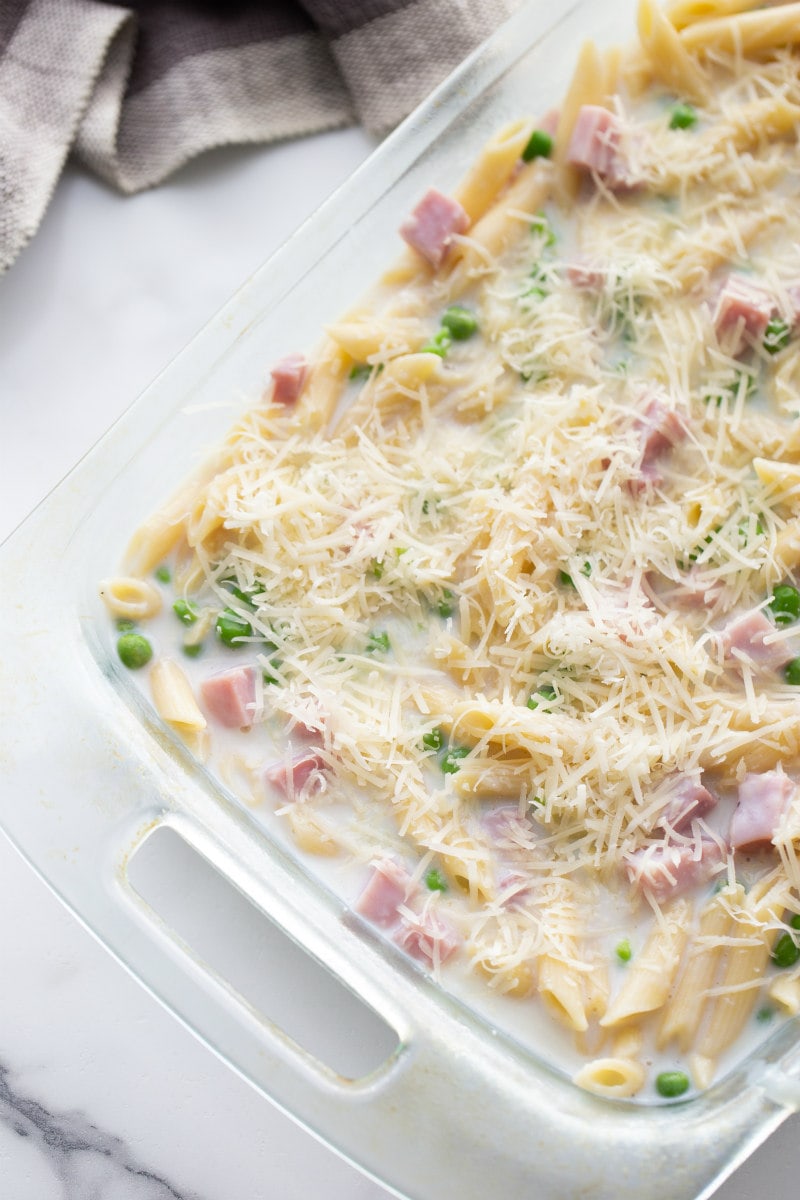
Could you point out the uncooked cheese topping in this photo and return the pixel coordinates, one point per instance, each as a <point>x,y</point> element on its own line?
<point>511,600</point>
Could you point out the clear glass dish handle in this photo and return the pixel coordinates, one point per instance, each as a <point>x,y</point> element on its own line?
<point>455,1113</point>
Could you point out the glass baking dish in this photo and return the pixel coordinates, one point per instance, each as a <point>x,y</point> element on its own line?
<point>90,772</point>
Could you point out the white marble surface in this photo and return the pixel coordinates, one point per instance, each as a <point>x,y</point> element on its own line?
<point>103,1095</point>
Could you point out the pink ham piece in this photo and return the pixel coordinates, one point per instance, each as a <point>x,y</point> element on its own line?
<point>660,429</point>
<point>746,637</point>
<point>742,314</point>
<point>585,277</point>
<point>307,733</point>
<point>595,146</point>
<point>427,938</point>
<point>504,823</point>
<point>666,871</point>
<point>514,890</point>
<point>433,223</point>
<point>230,698</point>
<point>290,778</point>
<point>688,801</point>
<point>289,376</point>
<point>793,294</point>
<point>763,799</point>
<point>694,590</point>
<point>387,888</point>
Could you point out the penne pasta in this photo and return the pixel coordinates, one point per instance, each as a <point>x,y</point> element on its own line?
<point>493,170</point>
<point>173,696</point>
<point>562,993</point>
<point>745,963</point>
<point>649,979</point>
<point>670,61</point>
<point>684,1009</point>
<point>745,32</point>
<point>686,12</point>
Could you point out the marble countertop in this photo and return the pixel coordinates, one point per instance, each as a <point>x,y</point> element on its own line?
<point>103,1094</point>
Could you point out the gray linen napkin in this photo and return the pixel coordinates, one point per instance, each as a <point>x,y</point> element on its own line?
<point>136,89</point>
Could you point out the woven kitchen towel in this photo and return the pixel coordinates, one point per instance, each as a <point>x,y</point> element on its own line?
<point>135,89</point>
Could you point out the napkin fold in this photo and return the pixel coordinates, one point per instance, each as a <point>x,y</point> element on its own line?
<point>136,90</point>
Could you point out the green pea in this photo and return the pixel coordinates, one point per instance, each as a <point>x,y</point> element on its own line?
<point>445,606</point>
<point>785,604</point>
<point>450,761</point>
<point>435,882</point>
<point>433,740</point>
<point>785,952</point>
<point>776,336</point>
<point>459,322</point>
<point>682,116</point>
<point>672,1083</point>
<point>134,650</point>
<point>566,580</point>
<point>231,584</point>
<point>185,611</point>
<point>439,344</point>
<point>541,285</point>
<point>539,145</point>
<point>791,672</point>
<point>623,951</point>
<point>543,694</point>
<point>378,642</point>
<point>542,227</point>
<point>163,574</point>
<point>231,628</point>
<point>192,649</point>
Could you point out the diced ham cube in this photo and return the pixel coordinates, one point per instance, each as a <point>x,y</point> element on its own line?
<point>427,938</point>
<point>230,698</point>
<point>504,823</point>
<point>746,637</point>
<point>660,429</point>
<point>595,146</point>
<point>585,276</point>
<point>433,223</point>
<point>514,890</point>
<point>763,799</point>
<point>694,590</point>
<point>289,376</point>
<point>793,294</point>
<point>688,801</point>
<point>290,778</point>
<point>387,888</point>
<point>742,314</point>
<point>668,870</point>
<point>307,733</point>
